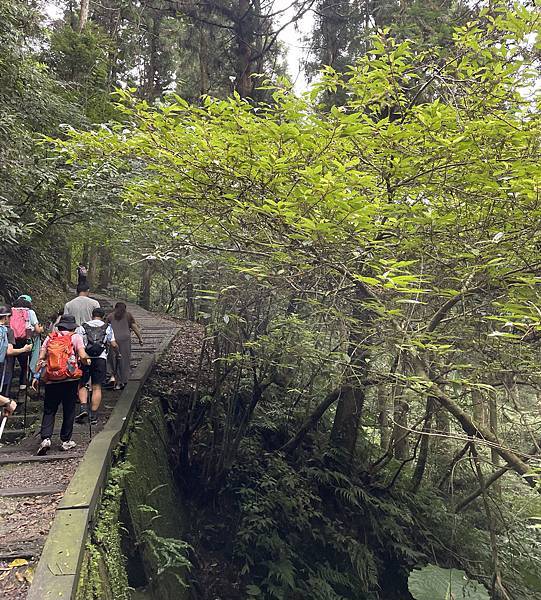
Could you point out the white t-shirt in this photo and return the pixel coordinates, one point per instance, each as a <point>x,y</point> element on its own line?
<point>109,336</point>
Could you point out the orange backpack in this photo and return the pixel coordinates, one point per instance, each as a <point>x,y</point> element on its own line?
<point>61,360</point>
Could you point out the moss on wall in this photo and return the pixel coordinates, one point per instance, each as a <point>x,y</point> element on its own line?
<point>137,538</point>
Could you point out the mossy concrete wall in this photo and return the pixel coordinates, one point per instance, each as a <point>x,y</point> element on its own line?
<point>137,537</point>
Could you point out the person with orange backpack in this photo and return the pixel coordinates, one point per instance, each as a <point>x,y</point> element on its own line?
<point>26,327</point>
<point>59,360</point>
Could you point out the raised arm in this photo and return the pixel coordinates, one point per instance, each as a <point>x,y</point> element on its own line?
<point>135,328</point>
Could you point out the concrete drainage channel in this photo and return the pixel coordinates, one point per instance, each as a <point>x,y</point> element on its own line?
<point>59,567</point>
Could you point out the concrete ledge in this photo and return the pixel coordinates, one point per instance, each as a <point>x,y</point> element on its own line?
<point>121,414</point>
<point>144,368</point>
<point>57,573</point>
<point>58,570</point>
<point>86,485</point>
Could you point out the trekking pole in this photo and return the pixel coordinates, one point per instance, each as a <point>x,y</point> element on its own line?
<point>27,379</point>
<point>89,407</point>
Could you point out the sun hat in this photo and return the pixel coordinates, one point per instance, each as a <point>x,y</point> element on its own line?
<point>5,311</point>
<point>67,322</point>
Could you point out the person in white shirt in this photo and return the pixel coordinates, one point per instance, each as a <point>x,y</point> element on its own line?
<point>98,337</point>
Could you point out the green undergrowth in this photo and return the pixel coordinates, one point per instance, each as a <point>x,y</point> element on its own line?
<point>295,529</point>
<point>136,541</point>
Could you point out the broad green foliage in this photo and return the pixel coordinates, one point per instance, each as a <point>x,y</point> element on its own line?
<point>393,241</point>
<point>435,583</point>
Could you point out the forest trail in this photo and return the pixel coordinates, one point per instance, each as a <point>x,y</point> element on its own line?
<point>31,487</point>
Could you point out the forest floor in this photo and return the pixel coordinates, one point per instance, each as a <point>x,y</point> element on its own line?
<point>30,490</point>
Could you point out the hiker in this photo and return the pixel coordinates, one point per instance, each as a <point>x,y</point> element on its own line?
<point>59,362</point>
<point>53,320</point>
<point>8,406</point>
<point>123,324</point>
<point>82,274</point>
<point>98,336</point>
<point>8,351</point>
<point>82,306</point>
<point>26,329</point>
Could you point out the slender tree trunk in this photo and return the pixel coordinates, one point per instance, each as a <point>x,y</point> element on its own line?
<point>105,267</point>
<point>347,420</point>
<point>384,407</point>
<point>203,60</point>
<point>479,407</point>
<point>351,401</point>
<point>83,15</point>
<point>86,254</point>
<point>190,297</point>
<point>400,429</point>
<point>493,421</point>
<point>424,446</point>
<point>244,39</point>
<point>93,267</point>
<point>67,264</point>
<point>146,280</point>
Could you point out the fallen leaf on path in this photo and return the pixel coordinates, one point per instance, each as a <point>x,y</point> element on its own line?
<point>18,562</point>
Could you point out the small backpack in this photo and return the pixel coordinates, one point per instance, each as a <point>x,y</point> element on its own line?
<point>3,342</point>
<point>96,336</point>
<point>61,360</point>
<point>20,323</point>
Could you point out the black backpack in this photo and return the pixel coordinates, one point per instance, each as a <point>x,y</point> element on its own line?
<point>96,336</point>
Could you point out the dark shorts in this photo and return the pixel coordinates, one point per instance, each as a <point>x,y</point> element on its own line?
<point>96,371</point>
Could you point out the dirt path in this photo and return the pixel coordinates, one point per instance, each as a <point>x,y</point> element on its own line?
<point>31,487</point>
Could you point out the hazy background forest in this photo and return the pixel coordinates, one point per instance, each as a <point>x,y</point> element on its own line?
<point>363,256</point>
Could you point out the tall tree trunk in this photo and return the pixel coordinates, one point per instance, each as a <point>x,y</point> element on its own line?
<point>67,264</point>
<point>93,267</point>
<point>152,88</point>
<point>86,254</point>
<point>83,15</point>
<point>479,407</point>
<point>493,422</point>
<point>346,421</point>
<point>203,59</point>
<point>105,267</point>
<point>384,407</point>
<point>400,429</point>
<point>424,445</point>
<point>146,280</point>
<point>244,40</point>
<point>351,401</point>
<point>190,297</point>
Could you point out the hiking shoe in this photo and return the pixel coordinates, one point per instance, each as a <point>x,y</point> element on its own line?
<point>81,417</point>
<point>22,387</point>
<point>44,447</point>
<point>93,420</point>
<point>67,445</point>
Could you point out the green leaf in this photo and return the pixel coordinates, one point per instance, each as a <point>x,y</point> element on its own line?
<point>434,583</point>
